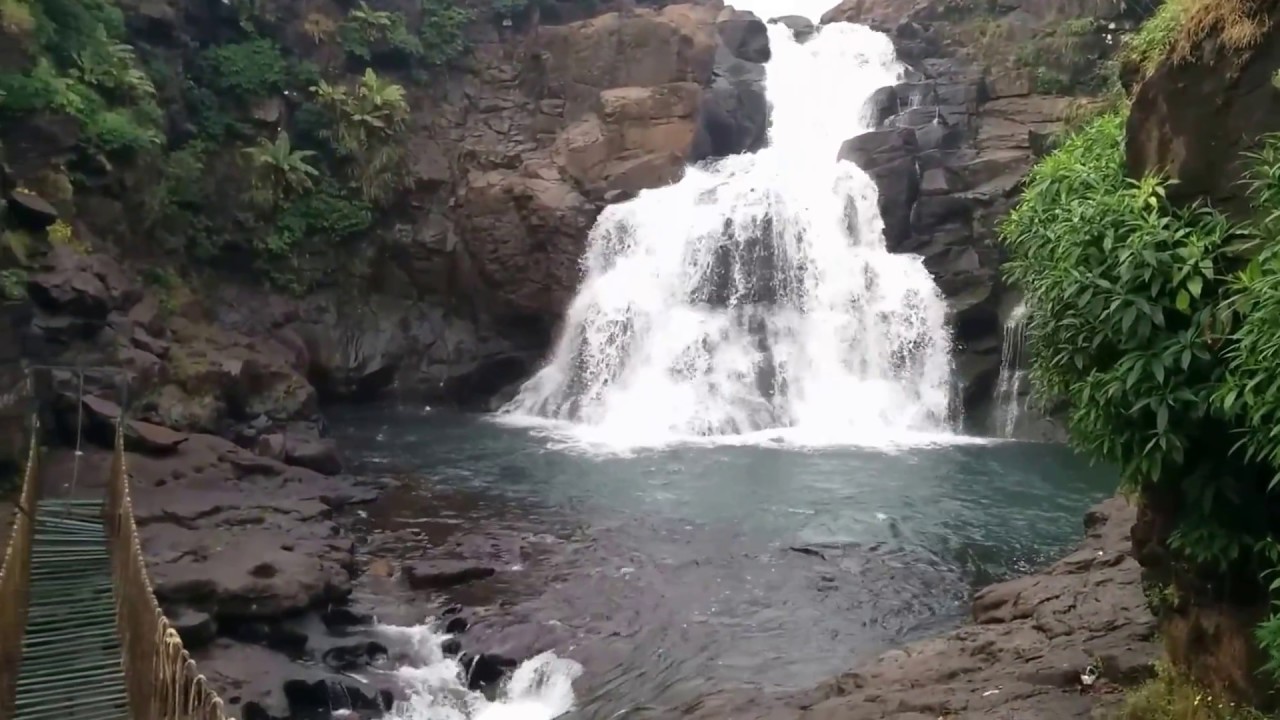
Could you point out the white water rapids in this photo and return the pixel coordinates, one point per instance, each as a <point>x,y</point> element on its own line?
<point>753,296</point>
<point>756,295</point>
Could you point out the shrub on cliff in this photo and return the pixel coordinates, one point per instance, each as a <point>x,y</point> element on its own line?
<point>1163,335</point>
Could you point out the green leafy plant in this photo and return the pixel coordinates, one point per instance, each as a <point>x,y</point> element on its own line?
<point>366,28</point>
<point>443,31</point>
<point>13,284</point>
<point>245,70</point>
<point>1172,696</point>
<point>113,67</point>
<point>1160,327</point>
<point>278,171</point>
<point>1153,40</point>
<point>367,124</point>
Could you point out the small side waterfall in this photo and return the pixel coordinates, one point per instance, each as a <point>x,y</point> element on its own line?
<point>1008,401</point>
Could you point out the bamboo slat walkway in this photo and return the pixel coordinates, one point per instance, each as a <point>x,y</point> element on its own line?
<point>71,661</point>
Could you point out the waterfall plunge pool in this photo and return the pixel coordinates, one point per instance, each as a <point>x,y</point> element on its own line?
<point>667,573</point>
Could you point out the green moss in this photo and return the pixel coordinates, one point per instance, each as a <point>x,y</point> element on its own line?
<point>13,284</point>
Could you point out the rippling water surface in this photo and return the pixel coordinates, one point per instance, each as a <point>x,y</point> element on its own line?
<point>667,573</point>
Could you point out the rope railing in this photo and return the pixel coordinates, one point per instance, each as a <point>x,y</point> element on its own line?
<point>15,577</point>
<point>161,677</point>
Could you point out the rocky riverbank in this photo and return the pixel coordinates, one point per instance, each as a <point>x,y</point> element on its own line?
<point>254,562</point>
<point>1026,655</point>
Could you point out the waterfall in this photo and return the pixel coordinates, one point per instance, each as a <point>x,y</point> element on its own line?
<point>1009,386</point>
<point>756,293</point>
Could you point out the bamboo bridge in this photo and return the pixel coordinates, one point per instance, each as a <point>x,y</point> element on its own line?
<point>81,634</point>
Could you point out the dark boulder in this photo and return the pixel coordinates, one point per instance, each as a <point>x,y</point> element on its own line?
<point>888,156</point>
<point>802,28</point>
<point>439,574</point>
<point>734,115</point>
<point>82,286</point>
<point>486,670</point>
<point>31,211</point>
<point>745,35</point>
<point>196,629</point>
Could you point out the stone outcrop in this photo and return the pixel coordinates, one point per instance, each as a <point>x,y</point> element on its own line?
<point>1194,121</point>
<point>949,165</point>
<point>1022,658</point>
<point>735,113</point>
<point>954,142</point>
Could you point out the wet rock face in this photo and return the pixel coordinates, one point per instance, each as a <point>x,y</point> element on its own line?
<point>948,160</point>
<point>954,141</point>
<point>735,112</point>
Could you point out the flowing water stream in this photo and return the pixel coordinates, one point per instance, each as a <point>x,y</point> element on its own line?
<point>737,466</point>
<point>756,294</point>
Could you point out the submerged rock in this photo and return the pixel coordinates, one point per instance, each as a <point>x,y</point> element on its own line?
<point>439,574</point>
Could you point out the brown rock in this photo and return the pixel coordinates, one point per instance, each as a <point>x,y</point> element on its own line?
<point>675,44</point>
<point>1193,121</point>
<point>84,286</point>
<point>524,236</point>
<point>146,437</point>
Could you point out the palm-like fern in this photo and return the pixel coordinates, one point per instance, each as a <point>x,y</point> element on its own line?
<point>279,171</point>
<point>367,120</point>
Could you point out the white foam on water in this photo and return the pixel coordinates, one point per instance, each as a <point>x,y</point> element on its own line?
<point>541,688</point>
<point>754,300</point>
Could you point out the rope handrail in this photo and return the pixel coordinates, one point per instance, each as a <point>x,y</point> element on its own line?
<point>161,677</point>
<point>15,577</point>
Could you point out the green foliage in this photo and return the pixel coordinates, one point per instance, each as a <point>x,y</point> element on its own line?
<point>324,213</point>
<point>1170,696</point>
<point>85,69</point>
<point>443,31</point>
<point>277,171</point>
<point>366,29</point>
<point>179,190</point>
<point>1146,47</point>
<point>1160,326</point>
<point>1121,284</point>
<point>13,284</point>
<point>246,70</point>
<point>311,225</point>
<point>366,125</point>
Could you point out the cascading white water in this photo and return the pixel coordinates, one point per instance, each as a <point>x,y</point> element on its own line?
<point>756,293</point>
<point>541,688</point>
<point>1009,384</point>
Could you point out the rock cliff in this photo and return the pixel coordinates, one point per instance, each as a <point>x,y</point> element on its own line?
<point>985,92</point>
<point>453,291</point>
